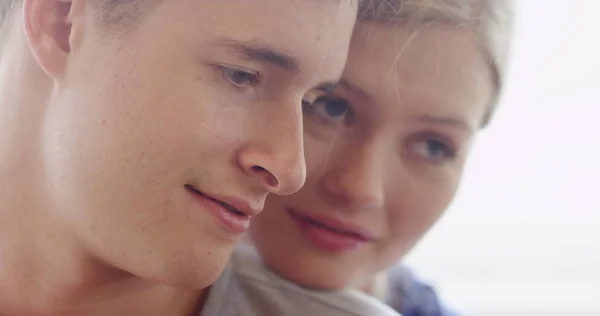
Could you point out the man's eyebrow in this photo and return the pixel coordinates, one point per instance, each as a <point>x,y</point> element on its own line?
<point>263,53</point>
<point>449,121</point>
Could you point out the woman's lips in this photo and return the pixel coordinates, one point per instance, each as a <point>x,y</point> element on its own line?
<point>330,234</point>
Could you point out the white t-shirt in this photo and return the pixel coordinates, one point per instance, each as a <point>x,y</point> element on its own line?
<point>248,288</point>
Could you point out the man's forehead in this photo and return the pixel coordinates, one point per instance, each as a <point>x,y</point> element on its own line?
<point>312,44</point>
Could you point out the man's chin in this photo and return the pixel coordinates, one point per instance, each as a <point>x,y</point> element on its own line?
<point>190,272</point>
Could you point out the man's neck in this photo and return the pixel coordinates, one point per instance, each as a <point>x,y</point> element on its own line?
<point>46,272</point>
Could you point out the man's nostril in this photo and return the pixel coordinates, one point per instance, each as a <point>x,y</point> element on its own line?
<point>267,175</point>
<point>259,169</point>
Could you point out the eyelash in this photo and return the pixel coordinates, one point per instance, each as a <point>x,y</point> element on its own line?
<point>313,109</point>
<point>428,139</point>
<point>229,73</point>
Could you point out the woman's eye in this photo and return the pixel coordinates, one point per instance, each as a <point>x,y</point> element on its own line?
<point>238,78</point>
<point>328,109</point>
<point>433,150</point>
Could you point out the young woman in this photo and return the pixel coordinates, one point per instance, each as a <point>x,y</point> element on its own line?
<point>386,151</point>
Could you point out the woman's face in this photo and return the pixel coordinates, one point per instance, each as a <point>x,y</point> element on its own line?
<point>385,155</point>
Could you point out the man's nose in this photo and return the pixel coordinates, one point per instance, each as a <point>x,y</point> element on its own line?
<point>275,158</point>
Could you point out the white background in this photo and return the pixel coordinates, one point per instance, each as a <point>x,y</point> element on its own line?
<point>523,236</point>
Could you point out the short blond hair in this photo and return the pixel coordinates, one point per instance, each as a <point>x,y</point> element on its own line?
<point>490,20</point>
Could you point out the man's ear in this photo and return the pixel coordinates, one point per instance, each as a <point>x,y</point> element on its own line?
<point>48,25</point>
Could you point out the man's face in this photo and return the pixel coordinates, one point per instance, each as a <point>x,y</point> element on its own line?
<point>199,100</point>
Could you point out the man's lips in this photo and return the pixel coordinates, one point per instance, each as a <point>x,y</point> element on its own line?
<point>233,213</point>
<point>232,204</point>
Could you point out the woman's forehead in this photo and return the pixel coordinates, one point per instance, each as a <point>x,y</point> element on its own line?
<point>432,68</point>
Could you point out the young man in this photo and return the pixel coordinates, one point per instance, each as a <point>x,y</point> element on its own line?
<point>137,139</point>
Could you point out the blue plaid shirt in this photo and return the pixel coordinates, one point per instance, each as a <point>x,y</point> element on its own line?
<point>412,297</point>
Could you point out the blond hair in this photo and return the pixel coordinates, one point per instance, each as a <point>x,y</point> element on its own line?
<point>489,20</point>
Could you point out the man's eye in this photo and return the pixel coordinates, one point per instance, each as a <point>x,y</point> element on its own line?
<point>238,78</point>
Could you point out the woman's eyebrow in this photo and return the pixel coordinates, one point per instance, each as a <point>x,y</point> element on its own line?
<point>353,88</point>
<point>449,121</point>
<point>328,87</point>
